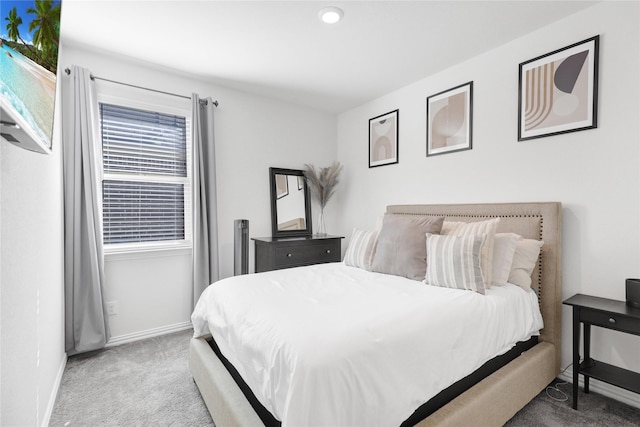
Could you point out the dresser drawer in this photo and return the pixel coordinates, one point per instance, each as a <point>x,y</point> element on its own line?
<point>309,254</point>
<point>615,321</point>
<point>273,254</point>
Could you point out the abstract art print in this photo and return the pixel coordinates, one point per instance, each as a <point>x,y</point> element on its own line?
<point>558,92</point>
<point>449,120</point>
<point>383,139</point>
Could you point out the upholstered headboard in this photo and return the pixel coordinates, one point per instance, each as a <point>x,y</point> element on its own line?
<point>541,221</point>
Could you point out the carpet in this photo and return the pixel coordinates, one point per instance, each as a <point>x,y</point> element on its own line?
<point>147,383</point>
<point>594,410</point>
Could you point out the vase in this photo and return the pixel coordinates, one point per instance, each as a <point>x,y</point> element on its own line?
<point>321,228</point>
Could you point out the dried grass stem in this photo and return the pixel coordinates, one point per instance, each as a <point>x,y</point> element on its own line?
<point>322,181</point>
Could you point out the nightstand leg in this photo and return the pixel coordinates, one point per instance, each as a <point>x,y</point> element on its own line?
<point>587,353</point>
<point>576,354</point>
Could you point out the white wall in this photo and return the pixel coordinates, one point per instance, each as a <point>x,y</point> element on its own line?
<point>594,173</point>
<point>31,278</point>
<point>252,134</point>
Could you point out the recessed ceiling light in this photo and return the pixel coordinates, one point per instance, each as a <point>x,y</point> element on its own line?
<point>330,15</point>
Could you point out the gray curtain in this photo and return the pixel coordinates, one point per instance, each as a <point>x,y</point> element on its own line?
<point>86,326</point>
<point>205,218</point>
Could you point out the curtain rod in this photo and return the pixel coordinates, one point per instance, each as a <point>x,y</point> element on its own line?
<point>202,101</point>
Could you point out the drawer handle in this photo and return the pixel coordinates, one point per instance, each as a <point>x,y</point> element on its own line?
<point>289,255</point>
<point>612,320</point>
<point>328,251</point>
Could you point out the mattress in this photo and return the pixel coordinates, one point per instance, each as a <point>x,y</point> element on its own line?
<point>336,345</point>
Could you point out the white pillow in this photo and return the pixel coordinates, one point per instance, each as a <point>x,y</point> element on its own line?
<point>454,261</point>
<point>524,261</point>
<point>504,246</point>
<point>362,247</point>
<point>487,227</point>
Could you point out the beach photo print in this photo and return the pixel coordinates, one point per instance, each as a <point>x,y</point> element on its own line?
<point>29,40</point>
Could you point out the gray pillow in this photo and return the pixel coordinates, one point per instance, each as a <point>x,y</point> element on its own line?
<point>402,245</point>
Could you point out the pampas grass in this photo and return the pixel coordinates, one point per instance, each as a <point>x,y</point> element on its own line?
<point>322,181</point>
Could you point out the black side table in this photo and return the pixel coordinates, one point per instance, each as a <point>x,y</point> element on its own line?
<point>605,313</point>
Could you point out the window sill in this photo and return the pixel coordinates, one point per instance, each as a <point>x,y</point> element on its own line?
<point>114,252</point>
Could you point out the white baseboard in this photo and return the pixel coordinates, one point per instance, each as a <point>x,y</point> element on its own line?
<point>605,389</point>
<point>149,333</point>
<point>54,392</point>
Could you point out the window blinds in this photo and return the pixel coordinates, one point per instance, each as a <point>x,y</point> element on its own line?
<point>143,142</point>
<point>145,175</point>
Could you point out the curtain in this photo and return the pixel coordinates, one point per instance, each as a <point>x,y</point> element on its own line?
<point>86,326</point>
<point>205,218</point>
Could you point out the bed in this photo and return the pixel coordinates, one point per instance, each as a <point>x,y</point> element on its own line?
<point>495,393</point>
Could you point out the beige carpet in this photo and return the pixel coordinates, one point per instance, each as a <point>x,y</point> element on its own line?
<point>147,383</point>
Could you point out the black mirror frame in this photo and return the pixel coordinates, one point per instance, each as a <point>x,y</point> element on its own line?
<point>307,232</point>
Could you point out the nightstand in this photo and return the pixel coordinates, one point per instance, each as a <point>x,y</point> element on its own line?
<point>604,313</point>
<point>277,253</point>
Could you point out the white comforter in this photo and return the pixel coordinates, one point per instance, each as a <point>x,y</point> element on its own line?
<point>333,345</point>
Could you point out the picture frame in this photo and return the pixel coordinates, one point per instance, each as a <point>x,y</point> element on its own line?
<point>282,186</point>
<point>450,120</point>
<point>558,91</point>
<point>383,139</point>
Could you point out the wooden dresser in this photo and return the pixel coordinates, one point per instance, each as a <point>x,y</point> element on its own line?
<point>276,253</point>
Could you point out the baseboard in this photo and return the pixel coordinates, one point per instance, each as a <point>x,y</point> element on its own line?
<point>149,333</point>
<point>54,392</point>
<point>617,393</point>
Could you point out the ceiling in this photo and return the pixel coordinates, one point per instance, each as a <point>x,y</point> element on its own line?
<point>281,50</point>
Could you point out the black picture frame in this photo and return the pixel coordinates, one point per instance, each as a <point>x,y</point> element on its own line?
<point>558,91</point>
<point>450,120</point>
<point>384,131</point>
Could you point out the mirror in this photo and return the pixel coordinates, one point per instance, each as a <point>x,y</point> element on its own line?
<point>290,203</point>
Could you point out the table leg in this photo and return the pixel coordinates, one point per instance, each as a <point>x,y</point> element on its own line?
<point>587,353</point>
<point>576,354</point>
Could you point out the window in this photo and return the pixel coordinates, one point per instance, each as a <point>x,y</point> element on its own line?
<point>146,180</point>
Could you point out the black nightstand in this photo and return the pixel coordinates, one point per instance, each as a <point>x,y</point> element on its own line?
<point>276,253</point>
<point>605,313</point>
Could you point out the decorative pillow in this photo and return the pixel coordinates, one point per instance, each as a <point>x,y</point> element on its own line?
<point>487,227</point>
<point>504,246</point>
<point>361,248</point>
<point>401,248</point>
<point>524,261</point>
<point>454,261</point>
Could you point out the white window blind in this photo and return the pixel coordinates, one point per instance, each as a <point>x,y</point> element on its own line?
<point>146,184</point>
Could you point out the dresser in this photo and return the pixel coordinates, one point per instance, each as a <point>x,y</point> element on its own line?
<point>604,313</point>
<point>286,252</point>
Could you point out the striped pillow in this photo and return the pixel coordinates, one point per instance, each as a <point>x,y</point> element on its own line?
<point>361,248</point>
<point>454,261</point>
<point>487,227</point>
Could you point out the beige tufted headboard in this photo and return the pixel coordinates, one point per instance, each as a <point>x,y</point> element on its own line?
<point>541,221</point>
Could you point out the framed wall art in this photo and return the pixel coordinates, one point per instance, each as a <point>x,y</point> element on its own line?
<point>282,186</point>
<point>449,120</point>
<point>558,92</point>
<point>383,139</point>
